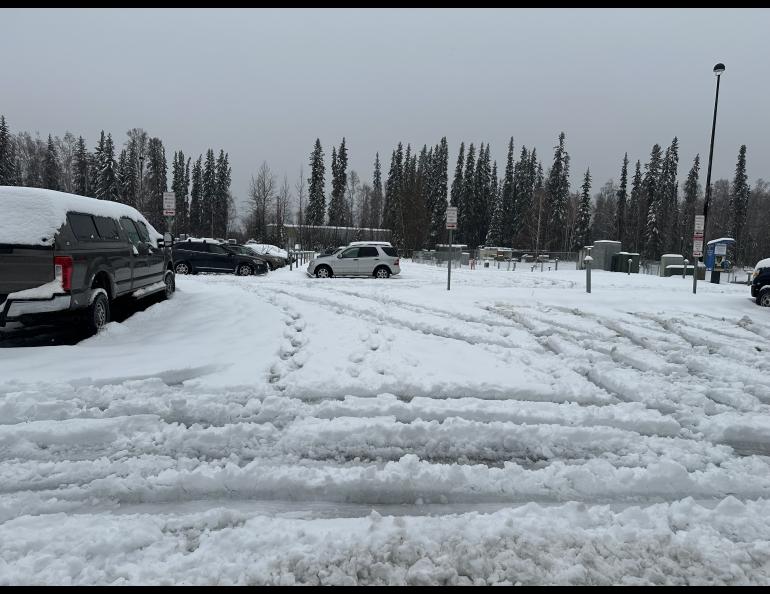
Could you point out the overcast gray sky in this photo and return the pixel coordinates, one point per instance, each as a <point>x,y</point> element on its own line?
<point>263,84</point>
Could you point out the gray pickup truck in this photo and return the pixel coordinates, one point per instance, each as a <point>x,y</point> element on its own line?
<point>62,254</point>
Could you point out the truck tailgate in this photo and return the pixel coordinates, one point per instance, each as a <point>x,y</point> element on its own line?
<point>24,267</point>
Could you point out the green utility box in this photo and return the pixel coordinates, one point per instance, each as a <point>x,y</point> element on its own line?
<point>620,262</point>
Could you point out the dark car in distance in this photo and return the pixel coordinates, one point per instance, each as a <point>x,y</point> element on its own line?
<point>62,254</point>
<point>193,256</point>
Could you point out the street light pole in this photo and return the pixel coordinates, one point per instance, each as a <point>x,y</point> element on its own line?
<point>718,70</point>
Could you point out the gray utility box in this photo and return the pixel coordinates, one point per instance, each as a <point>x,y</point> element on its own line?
<point>666,260</point>
<point>603,252</point>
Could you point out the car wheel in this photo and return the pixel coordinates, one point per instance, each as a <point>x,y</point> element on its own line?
<point>323,272</point>
<point>243,270</point>
<point>170,283</point>
<point>182,268</point>
<point>764,299</point>
<point>381,272</point>
<point>98,313</point>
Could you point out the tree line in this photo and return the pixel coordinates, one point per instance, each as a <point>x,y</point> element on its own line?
<point>136,176</point>
<point>533,209</point>
<point>524,206</point>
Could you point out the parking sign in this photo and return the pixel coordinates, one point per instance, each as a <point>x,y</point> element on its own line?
<point>451,217</point>
<point>169,204</point>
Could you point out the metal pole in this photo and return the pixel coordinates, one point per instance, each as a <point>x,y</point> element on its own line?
<point>629,266</point>
<point>588,259</point>
<point>708,177</point>
<point>449,263</point>
<point>684,270</point>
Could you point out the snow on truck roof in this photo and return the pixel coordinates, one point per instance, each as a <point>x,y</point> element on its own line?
<point>32,216</point>
<point>763,264</point>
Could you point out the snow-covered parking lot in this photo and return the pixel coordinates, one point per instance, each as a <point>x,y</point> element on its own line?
<point>284,429</point>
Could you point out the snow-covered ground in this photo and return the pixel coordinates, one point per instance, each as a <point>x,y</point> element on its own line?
<point>283,429</point>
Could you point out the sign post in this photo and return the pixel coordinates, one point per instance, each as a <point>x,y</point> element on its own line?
<point>697,249</point>
<point>451,224</point>
<point>169,209</point>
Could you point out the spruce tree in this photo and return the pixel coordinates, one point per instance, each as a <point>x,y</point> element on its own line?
<point>467,201</point>
<point>196,199</point>
<point>739,200</point>
<point>495,233</point>
<point>209,194</point>
<point>438,192</point>
<point>690,201</point>
<point>636,211</point>
<point>557,190</point>
<point>180,191</point>
<point>122,173</point>
<point>508,215</point>
<point>583,222</point>
<point>81,169</point>
<point>377,197</point>
<point>107,179</point>
<point>393,197</point>
<point>316,208</point>
<point>337,198</point>
<point>130,181</point>
<point>622,199</point>
<point>457,182</point>
<point>668,198</point>
<point>222,193</point>
<point>653,194</point>
<point>156,183</point>
<point>51,172</point>
<point>7,160</point>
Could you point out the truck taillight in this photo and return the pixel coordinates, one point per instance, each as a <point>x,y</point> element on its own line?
<point>62,266</point>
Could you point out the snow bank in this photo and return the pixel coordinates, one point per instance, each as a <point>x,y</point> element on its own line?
<point>32,216</point>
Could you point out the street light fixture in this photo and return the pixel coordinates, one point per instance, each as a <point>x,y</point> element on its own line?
<point>718,70</point>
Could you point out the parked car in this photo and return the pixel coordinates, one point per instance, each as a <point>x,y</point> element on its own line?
<point>375,260</point>
<point>67,254</point>
<point>274,256</point>
<point>760,282</point>
<point>192,256</point>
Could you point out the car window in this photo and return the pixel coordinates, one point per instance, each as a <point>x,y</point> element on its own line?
<point>130,229</point>
<point>391,251</point>
<point>83,226</point>
<point>144,234</point>
<point>107,228</point>
<point>368,252</point>
<point>351,253</point>
<point>192,246</point>
<point>216,249</point>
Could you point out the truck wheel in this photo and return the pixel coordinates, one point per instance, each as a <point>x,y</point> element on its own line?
<point>98,313</point>
<point>764,299</point>
<point>170,283</point>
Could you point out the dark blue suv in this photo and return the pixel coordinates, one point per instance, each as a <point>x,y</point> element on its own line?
<point>192,257</point>
<point>760,284</point>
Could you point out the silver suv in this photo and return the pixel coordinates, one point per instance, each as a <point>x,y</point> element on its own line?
<point>363,259</point>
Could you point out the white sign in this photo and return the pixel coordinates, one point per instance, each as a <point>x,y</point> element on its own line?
<point>451,217</point>
<point>699,224</point>
<point>720,249</point>
<point>296,246</point>
<point>697,247</point>
<point>169,204</point>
